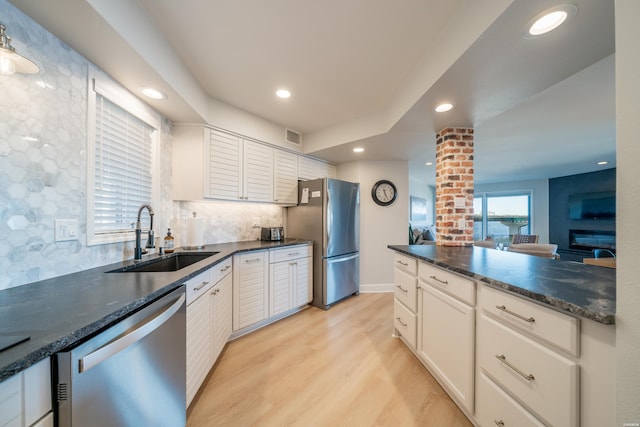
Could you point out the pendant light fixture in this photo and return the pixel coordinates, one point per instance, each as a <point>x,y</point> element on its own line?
<point>10,61</point>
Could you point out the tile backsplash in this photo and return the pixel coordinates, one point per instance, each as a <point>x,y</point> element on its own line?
<point>43,146</point>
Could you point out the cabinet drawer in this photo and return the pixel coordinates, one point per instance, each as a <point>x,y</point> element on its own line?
<point>405,289</point>
<point>494,407</point>
<point>406,263</point>
<point>198,285</point>
<point>548,325</point>
<point>289,253</point>
<point>220,270</point>
<point>405,322</point>
<point>541,379</point>
<point>452,284</point>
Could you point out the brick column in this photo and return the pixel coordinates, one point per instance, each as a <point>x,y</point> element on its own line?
<point>454,187</point>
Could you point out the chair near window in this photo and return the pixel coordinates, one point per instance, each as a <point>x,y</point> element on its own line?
<point>524,238</point>
<point>544,250</point>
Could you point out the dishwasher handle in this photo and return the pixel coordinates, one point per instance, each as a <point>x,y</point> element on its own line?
<point>148,325</point>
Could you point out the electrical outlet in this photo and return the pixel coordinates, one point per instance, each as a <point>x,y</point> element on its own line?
<point>256,222</point>
<point>65,230</point>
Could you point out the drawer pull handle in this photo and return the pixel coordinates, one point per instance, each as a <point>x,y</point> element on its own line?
<point>401,322</point>
<point>216,291</point>
<point>444,282</point>
<point>222,270</point>
<point>526,319</point>
<point>293,263</point>
<point>499,423</point>
<point>402,289</point>
<point>202,285</point>
<point>406,264</point>
<point>252,260</point>
<point>503,359</point>
<point>294,254</point>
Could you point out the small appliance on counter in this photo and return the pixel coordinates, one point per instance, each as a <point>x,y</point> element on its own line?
<point>272,234</point>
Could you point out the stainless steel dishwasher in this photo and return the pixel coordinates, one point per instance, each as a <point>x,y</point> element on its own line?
<point>132,374</point>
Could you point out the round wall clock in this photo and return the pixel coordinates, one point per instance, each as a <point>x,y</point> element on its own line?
<point>384,192</point>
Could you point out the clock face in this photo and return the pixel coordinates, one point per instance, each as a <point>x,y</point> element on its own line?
<point>384,192</point>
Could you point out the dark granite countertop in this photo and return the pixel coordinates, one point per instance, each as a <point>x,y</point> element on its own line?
<point>60,312</point>
<point>582,290</point>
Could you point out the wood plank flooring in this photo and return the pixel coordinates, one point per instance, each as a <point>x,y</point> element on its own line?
<point>340,367</point>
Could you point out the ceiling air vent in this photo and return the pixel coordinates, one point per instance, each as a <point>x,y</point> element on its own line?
<point>293,136</point>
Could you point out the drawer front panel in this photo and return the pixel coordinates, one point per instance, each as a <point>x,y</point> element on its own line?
<point>494,407</point>
<point>539,378</point>
<point>198,285</point>
<point>290,253</point>
<point>405,322</point>
<point>548,325</point>
<point>221,269</point>
<point>452,284</point>
<point>405,289</point>
<point>406,263</point>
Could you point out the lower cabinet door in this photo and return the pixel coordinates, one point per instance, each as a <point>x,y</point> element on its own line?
<point>494,407</point>
<point>540,378</point>
<point>446,342</point>
<point>198,345</point>
<point>405,323</point>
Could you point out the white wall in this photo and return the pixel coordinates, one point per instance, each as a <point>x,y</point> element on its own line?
<point>628,226</point>
<point>539,198</point>
<point>379,226</point>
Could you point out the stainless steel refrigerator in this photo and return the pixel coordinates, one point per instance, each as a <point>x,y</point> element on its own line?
<point>328,212</point>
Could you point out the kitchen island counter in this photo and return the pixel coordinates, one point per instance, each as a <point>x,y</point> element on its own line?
<point>60,312</point>
<point>582,290</point>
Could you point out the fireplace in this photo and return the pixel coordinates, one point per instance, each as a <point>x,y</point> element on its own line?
<point>588,240</point>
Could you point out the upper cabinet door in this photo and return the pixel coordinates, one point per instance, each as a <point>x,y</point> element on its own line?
<point>223,159</point>
<point>258,172</point>
<point>285,177</point>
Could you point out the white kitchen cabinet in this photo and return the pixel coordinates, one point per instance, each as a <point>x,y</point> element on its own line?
<point>446,335</point>
<point>237,169</point>
<point>285,178</point>
<point>221,308</point>
<point>25,398</point>
<point>310,168</point>
<point>250,288</point>
<point>290,278</point>
<point>405,285</point>
<point>208,322</point>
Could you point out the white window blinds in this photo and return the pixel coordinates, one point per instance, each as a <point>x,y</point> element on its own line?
<point>123,167</point>
<point>122,160</point>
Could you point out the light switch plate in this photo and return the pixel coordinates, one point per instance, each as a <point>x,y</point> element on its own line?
<point>65,230</point>
<point>256,222</point>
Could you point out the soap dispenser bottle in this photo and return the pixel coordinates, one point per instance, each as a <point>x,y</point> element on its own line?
<point>168,242</point>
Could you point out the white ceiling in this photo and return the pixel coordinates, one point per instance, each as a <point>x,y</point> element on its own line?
<point>369,73</point>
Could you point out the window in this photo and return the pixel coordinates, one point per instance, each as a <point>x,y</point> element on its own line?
<point>500,216</point>
<point>122,153</point>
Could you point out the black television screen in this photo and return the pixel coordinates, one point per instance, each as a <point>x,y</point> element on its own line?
<point>593,205</point>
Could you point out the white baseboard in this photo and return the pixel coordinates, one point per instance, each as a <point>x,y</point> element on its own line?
<point>374,289</point>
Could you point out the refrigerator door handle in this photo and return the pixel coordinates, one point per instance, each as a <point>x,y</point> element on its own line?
<point>150,324</point>
<point>331,260</point>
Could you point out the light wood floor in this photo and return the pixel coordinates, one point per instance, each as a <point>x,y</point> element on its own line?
<point>340,367</point>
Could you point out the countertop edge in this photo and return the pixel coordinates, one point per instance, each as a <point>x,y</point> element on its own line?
<point>554,303</point>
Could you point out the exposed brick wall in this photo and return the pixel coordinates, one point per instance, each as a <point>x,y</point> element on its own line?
<point>454,179</point>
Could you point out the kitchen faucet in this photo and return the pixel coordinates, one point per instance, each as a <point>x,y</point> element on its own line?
<point>150,241</point>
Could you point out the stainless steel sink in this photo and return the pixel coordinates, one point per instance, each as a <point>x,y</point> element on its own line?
<point>173,262</point>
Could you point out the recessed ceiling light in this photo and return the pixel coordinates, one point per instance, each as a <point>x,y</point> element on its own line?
<point>602,163</point>
<point>429,164</point>
<point>550,19</point>
<point>152,93</point>
<point>283,93</point>
<point>444,107</point>
<point>358,150</point>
